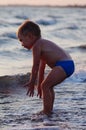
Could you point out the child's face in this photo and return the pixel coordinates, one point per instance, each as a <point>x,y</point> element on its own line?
<point>26,41</point>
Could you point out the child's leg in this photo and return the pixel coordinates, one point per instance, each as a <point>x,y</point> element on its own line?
<point>56,76</point>
<point>52,96</point>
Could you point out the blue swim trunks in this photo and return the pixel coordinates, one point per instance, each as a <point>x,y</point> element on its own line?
<point>67,65</point>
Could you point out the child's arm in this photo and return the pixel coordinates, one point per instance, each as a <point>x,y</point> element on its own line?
<point>41,76</point>
<point>35,68</point>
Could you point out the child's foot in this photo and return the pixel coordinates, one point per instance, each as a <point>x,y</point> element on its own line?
<point>45,119</point>
<point>38,117</point>
<point>40,113</point>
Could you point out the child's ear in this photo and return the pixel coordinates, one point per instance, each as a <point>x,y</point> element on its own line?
<point>30,35</point>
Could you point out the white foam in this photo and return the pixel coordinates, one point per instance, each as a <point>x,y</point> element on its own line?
<point>45,128</point>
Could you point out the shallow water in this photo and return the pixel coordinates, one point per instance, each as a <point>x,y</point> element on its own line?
<point>65,26</point>
<point>16,108</point>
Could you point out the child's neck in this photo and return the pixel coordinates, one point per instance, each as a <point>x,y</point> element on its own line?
<point>36,39</point>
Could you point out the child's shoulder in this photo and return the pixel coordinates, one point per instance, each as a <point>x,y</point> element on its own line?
<point>38,44</point>
<point>42,43</point>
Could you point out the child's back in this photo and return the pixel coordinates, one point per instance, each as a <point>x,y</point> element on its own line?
<point>50,52</point>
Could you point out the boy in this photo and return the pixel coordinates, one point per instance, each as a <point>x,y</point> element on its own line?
<point>44,52</point>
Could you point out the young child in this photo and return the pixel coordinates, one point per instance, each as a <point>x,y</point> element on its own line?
<point>44,52</point>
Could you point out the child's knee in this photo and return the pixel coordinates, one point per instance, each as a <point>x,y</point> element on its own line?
<point>44,86</point>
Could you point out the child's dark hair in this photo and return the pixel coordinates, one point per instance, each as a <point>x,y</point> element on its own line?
<point>29,26</point>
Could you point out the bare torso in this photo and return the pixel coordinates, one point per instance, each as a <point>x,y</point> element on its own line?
<point>51,53</point>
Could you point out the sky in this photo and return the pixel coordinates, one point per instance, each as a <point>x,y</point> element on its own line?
<point>43,2</point>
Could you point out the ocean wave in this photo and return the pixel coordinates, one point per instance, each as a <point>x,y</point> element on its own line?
<point>17,23</point>
<point>10,35</point>
<point>4,23</point>
<point>72,27</point>
<point>81,47</point>
<point>46,22</point>
<point>55,17</point>
<point>8,83</point>
<point>3,40</point>
<point>78,77</point>
<point>19,79</point>
<point>21,17</point>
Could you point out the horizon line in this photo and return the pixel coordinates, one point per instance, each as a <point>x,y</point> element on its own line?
<point>75,5</point>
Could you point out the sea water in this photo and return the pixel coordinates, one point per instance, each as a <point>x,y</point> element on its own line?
<point>67,28</point>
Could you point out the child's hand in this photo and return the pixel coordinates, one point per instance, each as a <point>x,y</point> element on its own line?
<point>30,87</point>
<point>30,91</point>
